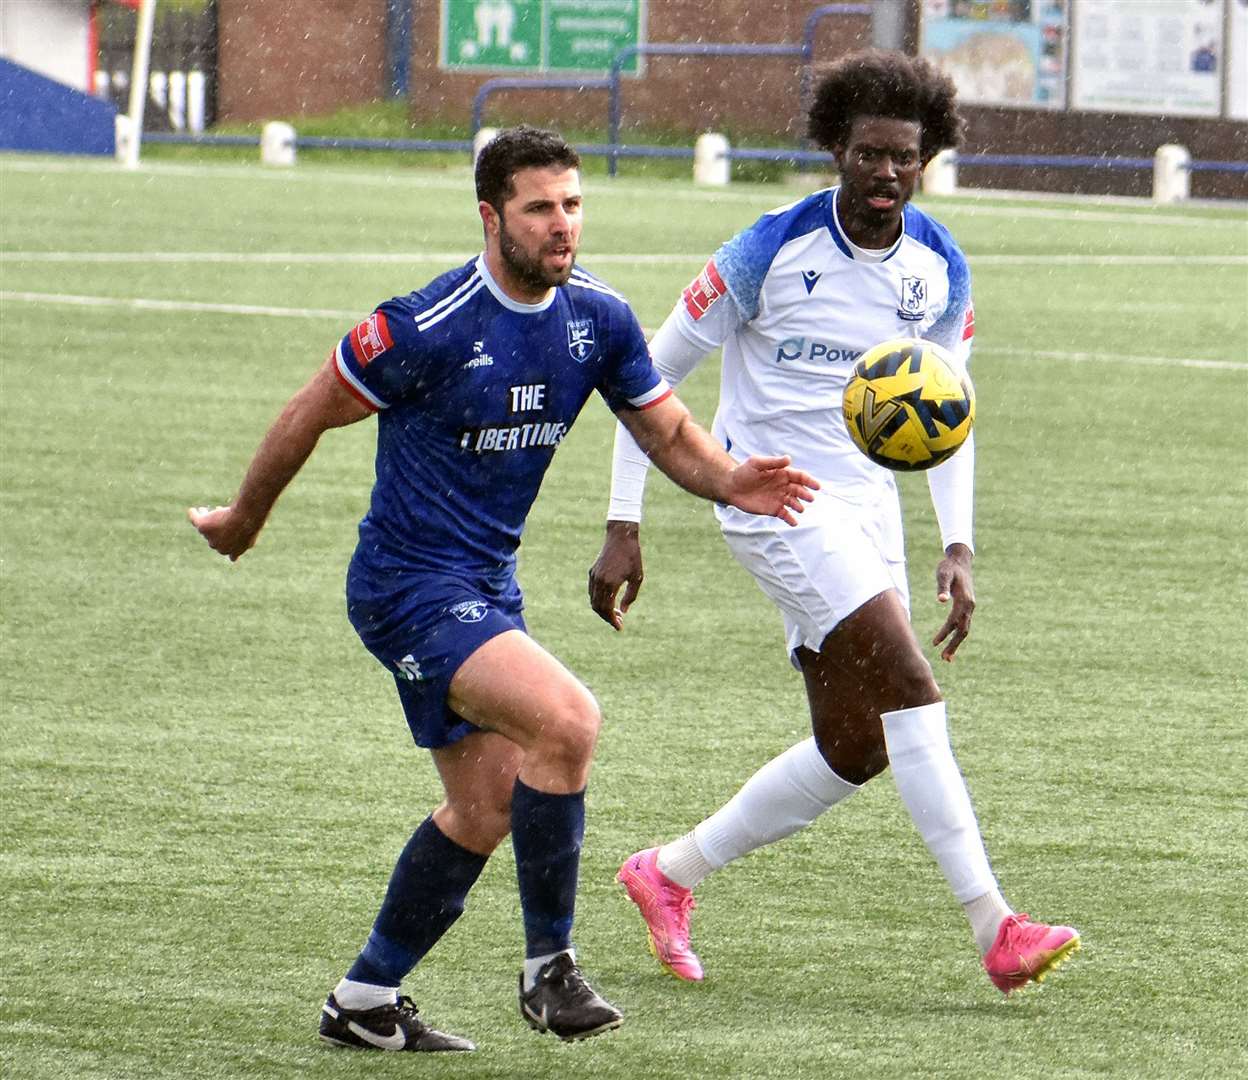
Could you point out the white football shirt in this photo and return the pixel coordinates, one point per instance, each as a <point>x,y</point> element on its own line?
<point>794,304</point>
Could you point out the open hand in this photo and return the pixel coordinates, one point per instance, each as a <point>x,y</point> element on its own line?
<point>769,485</point>
<point>953,581</point>
<point>618,564</point>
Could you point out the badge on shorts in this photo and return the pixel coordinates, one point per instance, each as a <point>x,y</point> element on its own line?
<point>470,611</point>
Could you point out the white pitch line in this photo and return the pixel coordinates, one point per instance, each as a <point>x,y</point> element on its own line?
<point>601,187</point>
<point>1109,260</point>
<point>1115,358</point>
<point>613,258</point>
<point>142,304</point>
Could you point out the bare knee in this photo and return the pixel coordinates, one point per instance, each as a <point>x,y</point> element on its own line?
<point>480,821</point>
<point>912,684</point>
<point>569,730</point>
<point>855,753</point>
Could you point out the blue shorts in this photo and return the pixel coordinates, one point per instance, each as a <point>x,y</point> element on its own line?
<point>422,635</point>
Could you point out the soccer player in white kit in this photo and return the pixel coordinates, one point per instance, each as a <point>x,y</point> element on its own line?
<point>793,301</point>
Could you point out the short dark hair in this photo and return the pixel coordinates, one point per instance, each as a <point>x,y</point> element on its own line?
<point>513,149</point>
<point>877,82</point>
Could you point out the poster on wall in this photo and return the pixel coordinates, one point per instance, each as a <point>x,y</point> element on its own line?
<point>1237,60</point>
<point>539,35</point>
<point>999,52</point>
<point>1148,56</point>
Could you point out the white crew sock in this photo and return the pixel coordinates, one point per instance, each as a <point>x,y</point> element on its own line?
<point>986,913</point>
<point>361,995</point>
<point>785,795</point>
<point>534,964</point>
<point>932,788</point>
<point>683,862</point>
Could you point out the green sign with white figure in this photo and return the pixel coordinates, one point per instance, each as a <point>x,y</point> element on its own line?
<point>540,35</point>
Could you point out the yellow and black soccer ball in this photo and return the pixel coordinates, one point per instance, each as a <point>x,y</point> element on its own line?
<point>907,406</point>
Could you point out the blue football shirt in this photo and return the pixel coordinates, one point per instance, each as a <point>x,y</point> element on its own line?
<point>474,391</point>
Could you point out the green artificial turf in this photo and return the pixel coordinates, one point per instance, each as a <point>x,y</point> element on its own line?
<point>206,779</point>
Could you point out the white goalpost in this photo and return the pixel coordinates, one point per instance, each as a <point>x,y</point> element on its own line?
<point>130,126</point>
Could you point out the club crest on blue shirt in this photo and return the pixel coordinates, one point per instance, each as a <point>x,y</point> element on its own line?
<point>913,298</point>
<point>470,611</point>
<point>581,339</point>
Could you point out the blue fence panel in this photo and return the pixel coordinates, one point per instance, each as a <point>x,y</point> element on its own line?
<point>41,114</point>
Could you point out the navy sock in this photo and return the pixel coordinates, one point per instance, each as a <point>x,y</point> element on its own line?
<point>546,834</point>
<point>425,896</point>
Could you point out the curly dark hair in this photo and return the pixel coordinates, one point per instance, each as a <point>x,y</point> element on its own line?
<point>513,149</point>
<point>876,82</point>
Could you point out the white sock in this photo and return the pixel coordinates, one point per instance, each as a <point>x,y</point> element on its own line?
<point>683,862</point>
<point>986,913</point>
<point>534,964</point>
<point>932,788</point>
<point>362,995</point>
<point>785,795</point>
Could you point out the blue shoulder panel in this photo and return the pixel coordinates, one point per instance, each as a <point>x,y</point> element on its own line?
<point>947,330</point>
<point>743,262</point>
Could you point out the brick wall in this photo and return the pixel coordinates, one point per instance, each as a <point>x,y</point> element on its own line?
<point>685,94</point>
<point>1039,131</point>
<point>281,58</point>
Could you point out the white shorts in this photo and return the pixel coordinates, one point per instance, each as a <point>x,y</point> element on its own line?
<point>838,556</point>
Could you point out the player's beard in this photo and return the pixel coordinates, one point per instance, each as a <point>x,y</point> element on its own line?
<point>527,270</point>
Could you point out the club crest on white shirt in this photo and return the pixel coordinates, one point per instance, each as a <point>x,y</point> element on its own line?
<point>913,298</point>
<point>581,339</point>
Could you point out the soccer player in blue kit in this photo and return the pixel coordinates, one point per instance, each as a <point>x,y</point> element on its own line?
<point>475,379</point>
<point>794,300</point>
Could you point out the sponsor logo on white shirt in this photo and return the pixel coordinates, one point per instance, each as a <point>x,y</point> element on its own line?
<point>800,348</point>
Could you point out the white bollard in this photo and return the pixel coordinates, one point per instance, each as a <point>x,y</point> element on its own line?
<point>123,140</point>
<point>1172,180</point>
<point>941,175</point>
<point>177,100</point>
<point>196,101</point>
<point>479,140</point>
<point>711,164</point>
<point>277,143</point>
<point>159,83</point>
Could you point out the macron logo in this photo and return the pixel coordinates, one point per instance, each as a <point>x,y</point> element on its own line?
<point>810,279</point>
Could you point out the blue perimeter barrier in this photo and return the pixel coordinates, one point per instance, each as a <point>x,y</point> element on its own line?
<point>780,155</point>
<point>613,149</point>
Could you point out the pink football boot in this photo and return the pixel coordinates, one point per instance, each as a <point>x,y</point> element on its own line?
<point>665,906</point>
<point>1024,951</point>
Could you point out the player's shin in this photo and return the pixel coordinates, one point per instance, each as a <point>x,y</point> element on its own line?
<point>425,896</point>
<point>785,795</point>
<point>546,834</point>
<point>932,788</point>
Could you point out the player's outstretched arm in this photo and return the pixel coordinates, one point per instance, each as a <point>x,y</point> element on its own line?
<point>321,404</point>
<point>693,459</point>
